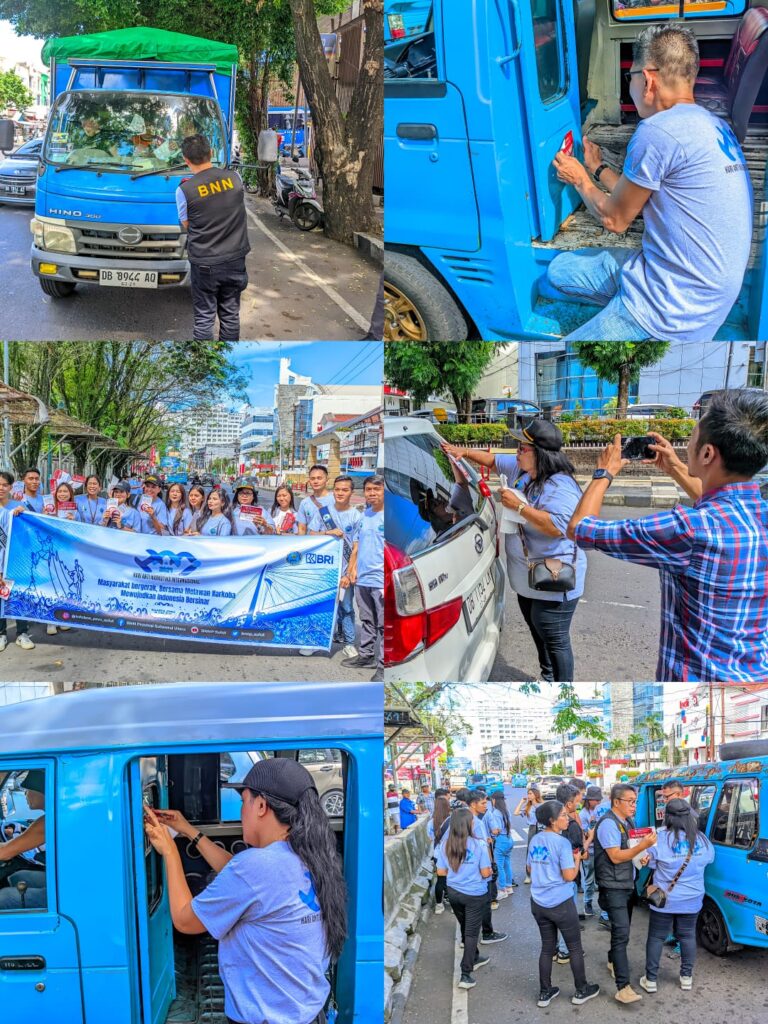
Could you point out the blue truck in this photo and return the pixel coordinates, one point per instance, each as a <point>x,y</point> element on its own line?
<point>476,106</point>
<point>121,104</point>
<point>97,943</point>
<point>281,120</point>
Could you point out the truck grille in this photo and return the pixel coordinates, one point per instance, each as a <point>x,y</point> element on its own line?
<point>104,243</point>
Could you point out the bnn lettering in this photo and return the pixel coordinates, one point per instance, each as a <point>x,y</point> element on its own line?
<point>215,186</point>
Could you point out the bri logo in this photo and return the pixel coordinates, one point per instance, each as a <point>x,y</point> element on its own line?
<point>309,898</point>
<point>169,562</point>
<point>314,559</point>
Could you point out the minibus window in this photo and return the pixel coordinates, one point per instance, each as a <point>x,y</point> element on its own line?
<point>23,834</point>
<point>735,820</point>
<point>153,862</point>
<point>701,801</point>
<point>547,31</point>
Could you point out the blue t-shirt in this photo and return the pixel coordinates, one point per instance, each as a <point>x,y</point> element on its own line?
<point>468,878</point>
<point>10,505</point>
<point>548,854</point>
<point>246,528</point>
<point>145,523</point>
<point>34,504</point>
<point>370,550</point>
<point>129,517</point>
<point>666,859</point>
<point>185,520</point>
<point>307,508</point>
<point>263,910</point>
<point>559,496</point>
<point>698,224</point>
<point>216,526</point>
<point>407,815</point>
<point>90,510</point>
<point>347,520</point>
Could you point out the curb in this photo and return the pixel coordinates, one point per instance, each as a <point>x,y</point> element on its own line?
<point>370,246</point>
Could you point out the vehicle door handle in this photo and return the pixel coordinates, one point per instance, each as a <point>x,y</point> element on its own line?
<point>501,61</point>
<point>418,132</point>
<point>22,963</point>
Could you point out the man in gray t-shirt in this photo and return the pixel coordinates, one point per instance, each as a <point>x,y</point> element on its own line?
<point>686,173</point>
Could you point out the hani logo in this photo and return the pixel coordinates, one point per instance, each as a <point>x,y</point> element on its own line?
<point>314,559</point>
<point>309,898</point>
<point>169,562</point>
<point>293,557</point>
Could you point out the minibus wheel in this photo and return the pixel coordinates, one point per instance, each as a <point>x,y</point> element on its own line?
<point>417,307</point>
<point>57,289</point>
<point>711,929</point>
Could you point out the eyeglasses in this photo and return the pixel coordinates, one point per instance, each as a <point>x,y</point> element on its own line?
<point>626,800</point>
<point>628,74</point>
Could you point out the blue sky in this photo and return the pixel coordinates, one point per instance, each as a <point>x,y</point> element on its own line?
<point>326,362</point>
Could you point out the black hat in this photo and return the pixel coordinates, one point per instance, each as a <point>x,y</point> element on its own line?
<point>541,434</point>
<point>593,793</point>
<point>34,780</point>
<point>121,485</point>
<point>280,777</point>
<point>152,480</point>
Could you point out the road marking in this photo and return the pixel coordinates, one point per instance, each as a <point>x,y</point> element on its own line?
<point>615,604</point>
<point>460,1002</point>
<point>516,836</point>
<point>330,291</point>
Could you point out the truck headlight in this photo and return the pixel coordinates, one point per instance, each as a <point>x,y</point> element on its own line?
<point>58,239</point>
<point>36,227</point>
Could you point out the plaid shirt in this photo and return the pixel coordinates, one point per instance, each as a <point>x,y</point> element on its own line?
<point>713,564</point>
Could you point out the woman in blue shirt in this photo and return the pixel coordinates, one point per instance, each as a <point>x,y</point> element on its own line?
<point>553,866</point>
<point>179,516</point>
<point>90,504</point>
<point>501,829</point>
<point>216,521</point>
<point>466,864</point>
<point>435,829</point>
<point>542,496</point>
<point>679,836</point>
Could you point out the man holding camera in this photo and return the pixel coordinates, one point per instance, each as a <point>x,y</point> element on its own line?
<point>711,558</point>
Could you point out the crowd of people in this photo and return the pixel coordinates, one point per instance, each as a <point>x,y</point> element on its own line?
<point>578,842</point>
<point>210,512</point>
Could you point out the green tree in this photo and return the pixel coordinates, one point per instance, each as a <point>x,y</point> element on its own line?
<point>424,368</point>
<point>634,740</point>
<point>557,768</point>
<point>654,732</point>
<point>13,91</point>
<point>619,362</point>
<point>617,747</point>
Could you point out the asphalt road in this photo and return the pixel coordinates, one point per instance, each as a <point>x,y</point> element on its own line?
<point>302,286</point>
<point>615,628</point>
<point>725,988</point>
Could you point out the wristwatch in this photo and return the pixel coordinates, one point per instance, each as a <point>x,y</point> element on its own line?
<point>603,474</point>
<point>196,840</point>
<point>599,170</point>
<point>520,507</point>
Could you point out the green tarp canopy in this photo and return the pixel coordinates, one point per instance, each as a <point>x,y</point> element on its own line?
<point>143,44</point>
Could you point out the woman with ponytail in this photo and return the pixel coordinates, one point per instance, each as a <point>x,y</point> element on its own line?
<point>278,908</point>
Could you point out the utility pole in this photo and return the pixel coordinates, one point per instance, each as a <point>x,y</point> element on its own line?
<point>6,419</point>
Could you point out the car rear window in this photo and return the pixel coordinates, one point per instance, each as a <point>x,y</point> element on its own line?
<point>424,499</point>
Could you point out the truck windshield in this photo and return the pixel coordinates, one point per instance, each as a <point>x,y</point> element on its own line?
<point>137,131</point>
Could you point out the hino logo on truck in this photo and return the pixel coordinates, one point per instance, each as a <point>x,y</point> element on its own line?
<point>66,213</point>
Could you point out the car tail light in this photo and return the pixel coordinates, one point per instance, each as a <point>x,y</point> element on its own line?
<point>408,624</point>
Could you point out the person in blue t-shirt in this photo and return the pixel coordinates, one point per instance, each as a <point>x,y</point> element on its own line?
<point>122,516</point>
<point>407,809</point>
<point>153,515</point>
<point>369,580</point>
<point>318,498</point>
<point>90,505</point>
<point>553,865</point>
<point>7,503</point>
<point>466,864</point>
<point>680,846</point>
<point>278,908</point>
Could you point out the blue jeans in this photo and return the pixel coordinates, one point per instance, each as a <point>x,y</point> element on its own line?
<point>346,615</point>
<point>594,278</point>
<point>502,852</point>
<point>562,946</point>
<point>588,879</point>
<point>659,926</point>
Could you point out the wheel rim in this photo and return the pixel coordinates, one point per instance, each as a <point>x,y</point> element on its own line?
<point>402,320</point>
<point>711,931</point>
<point>306,217</point>
<point>333,805</point>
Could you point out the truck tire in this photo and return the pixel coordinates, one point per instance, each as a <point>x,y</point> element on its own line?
<point>56,289</point>
<point>711,929</point>
<point>743,748</point>
<point>417,307</point>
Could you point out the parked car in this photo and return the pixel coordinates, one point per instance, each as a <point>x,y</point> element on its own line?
<point>648,410</point>
<point>324,763</point>
<point>700,405</point>
<point>443,581</point>
<point>520,780</point>
<point>18,174</point>
<point>548,786</point>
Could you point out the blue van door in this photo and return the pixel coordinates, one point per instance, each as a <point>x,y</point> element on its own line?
<point>550,82</point>
<point>39,949</point>
<point>149,786</point>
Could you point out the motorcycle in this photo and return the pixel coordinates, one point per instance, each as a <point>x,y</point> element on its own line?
<point>296,197</point>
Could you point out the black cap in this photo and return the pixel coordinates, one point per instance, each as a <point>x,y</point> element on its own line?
<point>152,480</point>
<point>121,485</point>
<point>541,434</point>
<point>280,777</point>
<point>34,780</point>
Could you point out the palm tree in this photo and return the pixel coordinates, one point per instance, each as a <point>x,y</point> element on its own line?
<point>654,732</point>
<point>617,746</point>
<point>633,742</point>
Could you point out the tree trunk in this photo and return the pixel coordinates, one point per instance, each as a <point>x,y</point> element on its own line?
<point>623,398</point>
<point>346,145</point>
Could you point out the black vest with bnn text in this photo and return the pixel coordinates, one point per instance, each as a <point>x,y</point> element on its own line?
<point>218,226</point>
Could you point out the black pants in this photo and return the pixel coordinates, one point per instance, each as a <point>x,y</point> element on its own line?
<point>469,912</point>
<point>618,904</point>
<point>564,918</point>
<point>550,626</point>
<point>216,290</point>
<point>440,887</point>
<point>319,1019</point>
<point>21,627</point>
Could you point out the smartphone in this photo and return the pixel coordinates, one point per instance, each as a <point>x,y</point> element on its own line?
<point>636,448</point>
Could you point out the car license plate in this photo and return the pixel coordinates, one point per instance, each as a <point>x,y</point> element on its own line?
<point>15,190</point>
<point>129,278</point>
<point>477,600</point>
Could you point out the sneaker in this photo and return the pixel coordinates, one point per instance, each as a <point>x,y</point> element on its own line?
<point>467,981</point>
<point>513,885</point>
<point>686,982</point>
<point>528,882</point>
<point>588,911</point>
<point>350,651</point>
<point>561,958</point>
<point>495,905</point>
<point>611,971</point>
<point>493,937</point>
<point>63,629</point>
<point>481,961</point>
<point>547,995</point>
<point>627,995</point>
<point>503,895</point>
<point>307,652</point>
<point>605,922</point>
<point>583,995</point>
<point>439,908</point>
<point>25,641</point>
<point>649,986</point>
<point>51,630</point>
<point>3,642</point>
<point>359,661</point>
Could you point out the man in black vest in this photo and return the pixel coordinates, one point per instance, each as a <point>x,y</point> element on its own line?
<point>211,209</point>
<point>615,875</point>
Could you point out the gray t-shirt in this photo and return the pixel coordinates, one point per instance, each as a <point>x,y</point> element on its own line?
<point>698,224</point>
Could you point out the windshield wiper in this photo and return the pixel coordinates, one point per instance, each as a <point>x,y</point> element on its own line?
<point>91,163</point>
<point>159,170</point>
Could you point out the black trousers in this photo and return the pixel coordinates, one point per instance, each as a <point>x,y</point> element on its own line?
<point>618,904</point>
<point>21,627</point>
<point>550,626</point>
<point>564,918</point>
<point>469,912</point>
<point>216,292</point>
